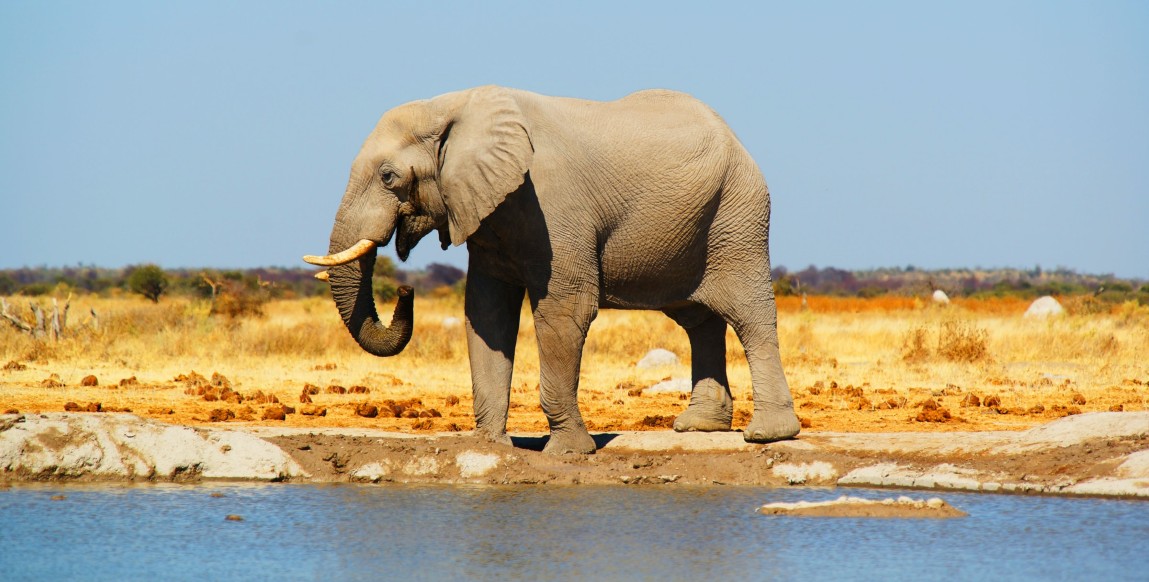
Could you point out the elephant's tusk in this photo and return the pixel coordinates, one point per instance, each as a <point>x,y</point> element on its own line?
<point>358,250</point>
<point>322,275</point>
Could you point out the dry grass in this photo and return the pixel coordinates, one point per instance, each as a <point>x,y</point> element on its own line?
<point>853,364</point>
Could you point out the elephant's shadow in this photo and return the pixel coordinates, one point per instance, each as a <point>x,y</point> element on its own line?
<point>536,443</point>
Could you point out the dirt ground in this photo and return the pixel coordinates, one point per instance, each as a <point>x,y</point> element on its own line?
<point>390,403</point>
<point>853,366</point>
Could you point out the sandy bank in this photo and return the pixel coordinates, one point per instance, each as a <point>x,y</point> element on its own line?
<point>1089,454</point>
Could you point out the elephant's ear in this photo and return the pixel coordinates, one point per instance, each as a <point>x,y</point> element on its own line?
<point>484,157</point>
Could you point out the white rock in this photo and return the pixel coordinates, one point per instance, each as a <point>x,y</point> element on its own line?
<point>933,503</point>
<point>1077,429</point>
<point>421,466</point>
<point>1136,466</point>
<point>237,455</point>
<point>99,446</point>
<point>373,472</point>
<point>657,358</point>
<point>798,473</point>
<point>944,476</point>
<point>671,385</point>
<point>1043,307</point>
<point>475,464</point>
<point>940,297</point>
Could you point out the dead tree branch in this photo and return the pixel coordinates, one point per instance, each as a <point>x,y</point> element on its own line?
<point>51,325</point>
<point>15,321</point>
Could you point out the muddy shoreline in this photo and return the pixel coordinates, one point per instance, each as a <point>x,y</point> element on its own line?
<point>1101,454</point>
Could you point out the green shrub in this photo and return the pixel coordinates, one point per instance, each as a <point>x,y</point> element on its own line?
<point>385,288</point>
<point>35,289</point>
<point>148,280</point>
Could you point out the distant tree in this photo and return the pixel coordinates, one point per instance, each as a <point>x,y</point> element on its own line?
<point>8,285</point>
<point>149,281</point>
<point>785,284</point>
<point>440,275</point>
<point>385,288</point>
<point>35,289</point>
<point>385,267</point>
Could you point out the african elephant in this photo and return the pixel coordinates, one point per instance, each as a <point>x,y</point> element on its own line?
<point>647,202</point>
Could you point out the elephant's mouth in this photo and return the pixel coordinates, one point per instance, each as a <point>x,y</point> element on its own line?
<point>402,245</point>
<point>411,229</point>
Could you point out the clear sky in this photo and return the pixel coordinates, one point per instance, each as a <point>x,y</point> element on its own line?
<point>937,134</point>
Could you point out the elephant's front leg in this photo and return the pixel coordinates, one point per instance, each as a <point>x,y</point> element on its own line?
<point>492,308</point>
<point>561,325</point>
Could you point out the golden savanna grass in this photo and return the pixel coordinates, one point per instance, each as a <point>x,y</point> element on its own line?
<point>883,364</point>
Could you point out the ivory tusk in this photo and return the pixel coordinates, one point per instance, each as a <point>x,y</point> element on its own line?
<point>322,275</point>
<point>357,250</point>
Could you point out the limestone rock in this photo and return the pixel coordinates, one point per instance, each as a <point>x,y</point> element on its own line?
<point>847,506</point>
<point>657,358</point>
<point>372,472</point>
<point>1043,307</point>
<point>475,464</point>
<point>126,447</point>
<point>672,385</point>
<point>799,473</point>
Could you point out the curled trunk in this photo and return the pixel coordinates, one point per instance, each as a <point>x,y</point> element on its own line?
<point>352,290</point>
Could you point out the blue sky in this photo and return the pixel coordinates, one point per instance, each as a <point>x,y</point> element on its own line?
<point>963,134</point>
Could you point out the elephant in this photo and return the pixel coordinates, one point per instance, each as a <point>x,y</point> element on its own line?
<point>646,202</point>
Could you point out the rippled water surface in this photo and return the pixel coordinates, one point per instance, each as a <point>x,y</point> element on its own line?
<point>351,532</point>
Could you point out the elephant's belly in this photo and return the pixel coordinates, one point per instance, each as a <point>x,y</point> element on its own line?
<point>649,277</point>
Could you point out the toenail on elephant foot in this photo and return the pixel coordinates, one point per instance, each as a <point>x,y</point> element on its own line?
<point>570,443</point>
<point>696,420</point>
<point>773,426</point>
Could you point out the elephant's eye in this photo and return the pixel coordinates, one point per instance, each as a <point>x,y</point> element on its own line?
<point>388,177</point>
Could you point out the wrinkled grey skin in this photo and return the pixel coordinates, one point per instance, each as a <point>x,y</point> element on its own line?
<point>647,202</point>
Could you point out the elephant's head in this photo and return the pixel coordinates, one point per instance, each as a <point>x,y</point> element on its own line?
<point>442,164</point>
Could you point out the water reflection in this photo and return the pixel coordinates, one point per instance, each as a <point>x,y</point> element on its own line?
<point>474,532</point>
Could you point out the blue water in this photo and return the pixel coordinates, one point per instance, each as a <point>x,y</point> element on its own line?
<point>351,532</point>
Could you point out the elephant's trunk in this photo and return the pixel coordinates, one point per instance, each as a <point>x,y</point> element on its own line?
<point>351,288</point>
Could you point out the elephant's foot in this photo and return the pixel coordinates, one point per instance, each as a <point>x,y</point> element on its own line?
<point>497,437</point>
<point>570,442</point>
<point>775,425</point>
<point>711,409</point>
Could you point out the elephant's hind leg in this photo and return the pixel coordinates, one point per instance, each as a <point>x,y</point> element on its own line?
<point>748,304</point>
<point>711,407</point>
<point>774,418</point>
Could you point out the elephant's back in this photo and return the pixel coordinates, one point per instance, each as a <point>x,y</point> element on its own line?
<point>630,147</point>
<point>643,176</point>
